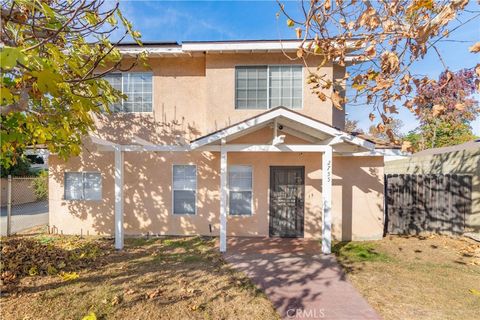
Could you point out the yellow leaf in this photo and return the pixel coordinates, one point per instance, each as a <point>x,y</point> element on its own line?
<point>290,23</point>
<point>90,316</point>
<point>67,276</point>
<point>475,292</point>
<point>33,271</point>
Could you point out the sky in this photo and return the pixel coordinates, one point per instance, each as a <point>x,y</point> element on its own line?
<point>251,20</point>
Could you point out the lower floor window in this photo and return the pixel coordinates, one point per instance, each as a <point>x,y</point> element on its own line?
<point>83,186</point>
<point>184,189</point>
<point>240,186</point>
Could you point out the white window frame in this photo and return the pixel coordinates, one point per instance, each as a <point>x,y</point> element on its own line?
<point>122,101</point>
<point>268,84</point>
<point>83,186</point>
<point>229,190</point>
<point>196,190</point>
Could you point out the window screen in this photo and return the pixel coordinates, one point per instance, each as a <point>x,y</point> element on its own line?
<point>251,87</point>
<point>285,86</point>
<point>240,186</point>
<point>83,186</point>
<point>138,88</point>
<point>184,189</point>
<point>263,87</point>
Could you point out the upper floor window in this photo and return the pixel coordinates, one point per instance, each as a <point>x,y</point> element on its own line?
<point>263,87</point>
<point>137,86</point>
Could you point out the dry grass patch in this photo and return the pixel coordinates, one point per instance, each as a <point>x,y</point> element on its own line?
<point>155,278</point>
<point>434,277</point>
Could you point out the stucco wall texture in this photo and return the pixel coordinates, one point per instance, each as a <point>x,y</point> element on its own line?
<point>457,162</point>
<point>194,96</point>
<point>357,201</point>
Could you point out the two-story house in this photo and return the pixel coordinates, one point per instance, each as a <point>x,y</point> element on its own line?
<point>222,139</point>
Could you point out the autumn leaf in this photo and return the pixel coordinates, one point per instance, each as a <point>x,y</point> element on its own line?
<point>299,32</point>
<point>475,48</point>
<point>371,52</point>
<point>380,127</point>
<point>337,100</point>
<point>371,116</point>
<point>300,52</point>
<point>437,110</point>
<point>322,96</point>
<point>475,292</point>
<point>460,106</point>
<point>90,316</point>
<point>406,146</point>
<point>290,23</point>
<point>390,62</point>
<point>327,5</point>
<point>68,276</point>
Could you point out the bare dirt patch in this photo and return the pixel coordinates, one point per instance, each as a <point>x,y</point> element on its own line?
<point>156,278</point>
<point>432,277</point>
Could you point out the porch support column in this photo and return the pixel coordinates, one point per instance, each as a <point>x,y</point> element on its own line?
<point>118,198</point>
<point>223,200</point>
<point>327,200</point>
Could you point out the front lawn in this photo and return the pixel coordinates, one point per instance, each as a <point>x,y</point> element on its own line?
<point>433,277</point>
<point>63,277</point>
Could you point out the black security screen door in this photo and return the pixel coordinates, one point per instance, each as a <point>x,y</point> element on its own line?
<point>287,198</point>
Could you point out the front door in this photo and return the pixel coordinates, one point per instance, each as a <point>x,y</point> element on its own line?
<point>287,198</point>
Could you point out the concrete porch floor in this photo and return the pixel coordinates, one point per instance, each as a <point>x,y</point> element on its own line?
<point>300,281</point>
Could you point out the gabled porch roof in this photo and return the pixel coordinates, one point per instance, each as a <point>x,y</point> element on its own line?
<point>283,120</point>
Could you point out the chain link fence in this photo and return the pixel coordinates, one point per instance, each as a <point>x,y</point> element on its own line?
<point>24,203</point>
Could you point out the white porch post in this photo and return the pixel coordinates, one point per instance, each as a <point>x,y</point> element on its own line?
<point>327,200</point>
<point>118,198</point>
<point>223,200</point>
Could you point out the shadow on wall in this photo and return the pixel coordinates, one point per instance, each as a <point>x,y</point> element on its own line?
<point>146,175</point>
<point>367,179</point>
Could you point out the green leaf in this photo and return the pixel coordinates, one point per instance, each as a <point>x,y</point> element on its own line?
<point>9,57</point>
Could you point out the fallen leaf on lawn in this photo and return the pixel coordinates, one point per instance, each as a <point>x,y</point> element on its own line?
<point>33,271</point>
<point>117,300</point>
<point>68,276</point>
<point>153,294</point>
<point>90,316</point>
<point>475,292</point>
<point>129,291</point>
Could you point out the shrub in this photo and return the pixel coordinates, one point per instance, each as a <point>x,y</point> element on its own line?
<point>40,185</point>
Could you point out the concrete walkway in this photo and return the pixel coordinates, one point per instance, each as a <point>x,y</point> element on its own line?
<point>300,282</point>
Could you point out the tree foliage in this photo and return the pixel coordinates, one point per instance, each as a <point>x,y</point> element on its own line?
<point>352,126</point>
<point>381,39</point>
<point>50,86</point>
<point>445,108</point>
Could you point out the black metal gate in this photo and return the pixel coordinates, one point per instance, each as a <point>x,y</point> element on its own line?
<point>427,203</point>
<point>287,198</point>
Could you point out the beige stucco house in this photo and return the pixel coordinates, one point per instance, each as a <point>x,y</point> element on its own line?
<point>222,139</point>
